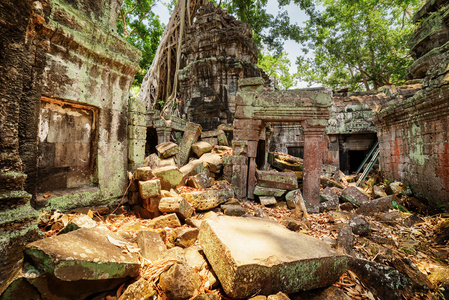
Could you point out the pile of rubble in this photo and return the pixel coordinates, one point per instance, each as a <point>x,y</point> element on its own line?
<point>186,236</point>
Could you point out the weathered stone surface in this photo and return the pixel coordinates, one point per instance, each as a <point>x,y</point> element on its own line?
<point>345,240</point>
<point>271,192</point>
<point>152,161</point>
<point>185,237</point>
<point>199,148</point>
<point>235,210</point>
<point>191,134</point>
<point>354,195</point>
<point>375,206</point>
<point>284,161</point>
<point>194,258</point>
<point>81,221</point>
<point>151,245</point>
<point>167,149</point>
<point>295,200</point>
<point>170,220</point>
<point>360,226</point>
<point>279,180</point>
<point>330,182</point>
<point>379,192</point>
<point>265,257</point>
<point>267,200</point>
<point>179,282</point>
<point>177,205</point>
<point>208,199</point>
<point>200,181</point>
<point>144,173</point>
<point>86,253</point>
<point>169,176</point>
<point>412,220</point>
<point>139,290</point>
<point>168,162</point>
<point>207,296</point>
<point>189,169</point>
<point>291,223</point>
<point>213,161</point>
<point>390,283</point>
<point>330,200</point>
<point>176,253</point>
<point>407,266</point>
<point>391,217</point>
<point>149,188</point>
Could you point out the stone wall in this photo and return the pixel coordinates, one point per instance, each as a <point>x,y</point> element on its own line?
<point>219,50</point>
<point>66,51</point>
<point>413,133</point>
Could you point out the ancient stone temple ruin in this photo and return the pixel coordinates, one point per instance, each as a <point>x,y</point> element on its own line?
<point>219,50</point>
<point>65,78</point>
<point>413,133</point>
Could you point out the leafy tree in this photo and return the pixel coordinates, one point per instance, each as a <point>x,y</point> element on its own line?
<point>359,43</point>
<point>142,29</point>
<point>278,66</point>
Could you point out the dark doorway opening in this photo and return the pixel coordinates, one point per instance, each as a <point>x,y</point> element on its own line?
<point>355,158</point>
<point>150,146</point>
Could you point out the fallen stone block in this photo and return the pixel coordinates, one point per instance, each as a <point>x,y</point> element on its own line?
<point>188,169</point>
<point>149,188</point>
<point>354,195</point>
<point>169,176</point>
<point>191,134</point>
<point>330,182</point>
<point>211,140</point>
<point>209,199</point>
<point>278,296</point>
<point>185,237</point>
<point>389,283</point>
<point>167,149</point>
<point>345,240</point>
<point>151,161</point>
<point>373,207</point>
<point>170,220</point>
<point>151,245</point>
<point>265,191</point>
<point>168,162</point>
<point>200,181</point>
<point>81,221</point>
<point>194,258</point>
<point>253,255</point>
<point>379,192</point>
<point>267,200</point>
<point>207,296</point>
<point>150,204</point>
<point>279,180</point>
<point>201,147</point>
<point>144,173</point>
<point>27,283</point>
<point>83,254</point>
<point>139,290</point>
<point>235,210</point>
<point>400,188</point>
<point>213,161</point>
<point>329,200</point>
<point>391,217</point>
<point>177,205</point>
<point>282,161</point>
<point>180,282</point>
<point>291,223</point>
<point>360,226</point>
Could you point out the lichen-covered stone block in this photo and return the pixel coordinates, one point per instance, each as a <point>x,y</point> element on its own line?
<point>253,255</point>
<point>280,180</point>
<point>169,176</point>
<point>149,188</point>
<point>167,149</point>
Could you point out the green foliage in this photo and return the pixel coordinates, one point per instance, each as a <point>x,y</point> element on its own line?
<point>362,44</point>
<point>278,66</point>
<point>142,29</point>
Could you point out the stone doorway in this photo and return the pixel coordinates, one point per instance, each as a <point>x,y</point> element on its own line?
<point>67,145</point>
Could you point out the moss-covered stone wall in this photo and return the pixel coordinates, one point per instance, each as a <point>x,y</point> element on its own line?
<point>67,50</point>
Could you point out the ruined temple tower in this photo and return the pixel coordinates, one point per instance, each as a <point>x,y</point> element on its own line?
<point>219,50</point>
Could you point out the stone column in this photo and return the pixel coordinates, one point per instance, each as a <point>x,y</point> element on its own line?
<point>313,143</point>
<point>163,134</point>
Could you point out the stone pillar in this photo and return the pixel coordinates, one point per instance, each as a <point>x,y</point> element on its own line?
<point>163,134</point>
<point>137,133</point>
<point>313,143</point>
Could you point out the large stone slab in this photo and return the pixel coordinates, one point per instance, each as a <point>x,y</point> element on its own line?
<point>83,254</point>
<point>279,180</point>
<point>251,255</point>
<point>191,134</point>
<point>167,149</point>
<point>169,176</point>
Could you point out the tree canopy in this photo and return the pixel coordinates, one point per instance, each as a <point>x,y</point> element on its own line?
<point>358,43</point>
<point>361,44</point>
<point>278,66</point>
<point>138,24</point>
